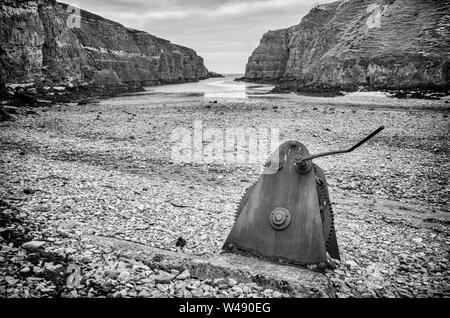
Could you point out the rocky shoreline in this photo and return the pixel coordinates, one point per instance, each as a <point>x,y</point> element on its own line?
<point>22,99</point>
<point>283,86</point>
<point>46,58</point>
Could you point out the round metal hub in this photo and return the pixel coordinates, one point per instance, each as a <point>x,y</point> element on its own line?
<point>280,219</point>
<point>302,167</point>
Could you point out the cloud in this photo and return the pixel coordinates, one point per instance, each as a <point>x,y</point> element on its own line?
<point>224,32</point>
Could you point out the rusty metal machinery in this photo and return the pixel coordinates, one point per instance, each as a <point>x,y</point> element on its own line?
<point>287,214</point>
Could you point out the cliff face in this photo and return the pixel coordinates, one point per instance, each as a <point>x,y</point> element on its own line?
<point>351,43</point>
<point>38,42</point>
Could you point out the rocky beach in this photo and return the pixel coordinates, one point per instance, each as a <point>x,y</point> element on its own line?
<point>95,201</point>
<point>72,174</point>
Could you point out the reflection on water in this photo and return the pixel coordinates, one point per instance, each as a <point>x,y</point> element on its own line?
<point>215,88</point>
<point>227,88</point>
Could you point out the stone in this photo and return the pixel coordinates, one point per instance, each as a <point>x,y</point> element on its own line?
<point>33,246</point>
<point>339,272</point>
<point>164,278</point>
<point>70,250</point>
<point>63,233</point>
<point>6,249</point>
<point>184,275</point>
<point>3,90</point>
<point>162,287</point>
<point>205,287</point>
<point>11,280</point>
<point>277,294</point>
<point>268,292</point>
<point>144,294</point>
<point>404,268</point>
<point>112,274</point>
<point>351,265</point>
<point>5,116</point>
<point>86,260</point>
<point>124,276</point>
<point>219,281</point>
<point>197,293</point>
<point>236,291</point>
<point>232,282</point>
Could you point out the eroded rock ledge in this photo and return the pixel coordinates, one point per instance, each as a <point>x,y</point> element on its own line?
<point>379,44</point>
<point>39,44</point>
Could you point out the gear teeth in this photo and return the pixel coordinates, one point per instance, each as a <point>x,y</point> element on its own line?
<point>321,187</point>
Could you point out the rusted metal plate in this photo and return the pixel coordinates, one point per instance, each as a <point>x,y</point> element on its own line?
<point>302,241</point>
<point>287,215</point>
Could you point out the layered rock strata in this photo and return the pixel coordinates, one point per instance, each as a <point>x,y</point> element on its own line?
<point>381,44</point>
<point>46,41</point>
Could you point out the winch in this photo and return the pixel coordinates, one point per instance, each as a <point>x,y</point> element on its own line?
<point>287,214</point>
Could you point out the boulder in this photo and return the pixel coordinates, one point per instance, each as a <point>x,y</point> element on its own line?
<point>3,91</point>
<point>4,115</point>
<point>24,99</point>
<point>33,246</point>
<point>106,78</point>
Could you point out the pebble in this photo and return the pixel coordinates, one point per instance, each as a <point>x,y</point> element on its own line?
<point>124,276</point>
<point>86,260</point>
<point>11,280</point>
<point>232,282</point>
<point>33,246</point>
<point>236,291</point>
<point>162,287</point>
<point>351,264</point>
<point>277,294</point>
<point>164,277</point>
<point>184,275</point>
<point>63,233</point>
<point>144,294</point>
<point>174,272</point>
<point>219,281</point>
<point>25,270</point>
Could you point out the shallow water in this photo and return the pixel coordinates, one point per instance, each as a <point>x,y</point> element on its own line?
<point>227,90</point>
<point>215,88</point>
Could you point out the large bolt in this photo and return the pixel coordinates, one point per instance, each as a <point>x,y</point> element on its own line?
<point>280,219</point>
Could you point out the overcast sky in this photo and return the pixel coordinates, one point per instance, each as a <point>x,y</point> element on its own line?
<point>223,32</point>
